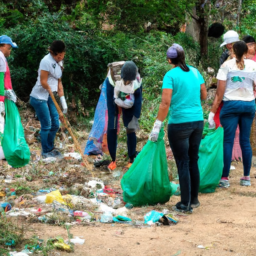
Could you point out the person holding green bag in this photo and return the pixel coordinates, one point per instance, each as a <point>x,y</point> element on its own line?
<point>183,88</point>
<point>13,146</point>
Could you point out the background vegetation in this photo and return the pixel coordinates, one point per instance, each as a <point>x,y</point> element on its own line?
<point>99,32</point>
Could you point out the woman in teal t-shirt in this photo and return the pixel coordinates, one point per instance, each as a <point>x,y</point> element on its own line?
<point>183,90</point>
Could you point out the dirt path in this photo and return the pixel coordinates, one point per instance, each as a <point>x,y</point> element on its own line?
<point>225,224</point>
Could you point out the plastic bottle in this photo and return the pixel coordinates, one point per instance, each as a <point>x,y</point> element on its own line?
<point>107,217</point>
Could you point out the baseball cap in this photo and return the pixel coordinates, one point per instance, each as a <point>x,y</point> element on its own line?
<point>7,40</point>
<point>172,51</point>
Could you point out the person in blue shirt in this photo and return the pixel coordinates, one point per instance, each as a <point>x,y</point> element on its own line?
<point>183,90</point>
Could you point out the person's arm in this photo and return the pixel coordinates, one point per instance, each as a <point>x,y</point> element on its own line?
<point>162,114</point>
<point>60,88</point>
<point>217,100</point>
<point>62,97</point>
<point>203,92</point>
<point>165,104</point>
<point>44,80</point>
<point>1,86</point>
<point>219,95</point>
<point>223,57</point>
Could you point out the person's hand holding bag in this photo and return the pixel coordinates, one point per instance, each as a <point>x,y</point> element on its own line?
<point>155,131</point>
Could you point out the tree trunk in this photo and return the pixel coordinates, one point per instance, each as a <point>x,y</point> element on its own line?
<point>239,12</point>
<point>203,24</point>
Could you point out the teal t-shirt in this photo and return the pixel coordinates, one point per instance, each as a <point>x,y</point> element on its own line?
<point>186,103</point>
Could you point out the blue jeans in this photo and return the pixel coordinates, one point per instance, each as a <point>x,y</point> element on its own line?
<point>184,140</point>
<point>235,113</point>
<point>49,119</point>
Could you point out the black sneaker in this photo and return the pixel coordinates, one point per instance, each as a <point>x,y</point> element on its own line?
<point>179,207</point>
<point>195,203</point>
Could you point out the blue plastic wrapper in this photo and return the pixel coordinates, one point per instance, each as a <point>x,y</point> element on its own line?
<point>152,217</point>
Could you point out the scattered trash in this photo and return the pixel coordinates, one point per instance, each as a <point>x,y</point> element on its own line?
<point>82,215</point>
<point>232,167</point>
<point>74,155</point>
<point>200,247</point>
<point>49,160</point>
<point>77,240</point>
<point>6,206</point>
<point>152,217</point>
<point>107,217</point>
<point>129,206</point>
<point>116,174</point>
<point>121,219</point>
<point>18,254</point>
<point>15,212</point>
<point>55,196</point>
<point>95,184</point>
<point>60,244</point>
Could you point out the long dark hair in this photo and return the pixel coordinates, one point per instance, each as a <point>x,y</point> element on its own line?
<point>180,61</point>
<point>240,49</point>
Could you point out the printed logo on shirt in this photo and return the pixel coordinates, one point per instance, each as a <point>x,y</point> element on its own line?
<point>54,65</point>
<point>236,79</point>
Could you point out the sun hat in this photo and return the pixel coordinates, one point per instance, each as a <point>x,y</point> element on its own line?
<point>7,40</point>
<point>230,37</point>
<point>172,51</point>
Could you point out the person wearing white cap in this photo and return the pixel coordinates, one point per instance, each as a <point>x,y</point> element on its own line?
<point>13,146</point>
<point>230,37</point>
<point>183,89</point>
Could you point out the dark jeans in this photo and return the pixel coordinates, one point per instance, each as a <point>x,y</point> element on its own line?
<point>184,140</point>
<point>49,119</point>
<point>235,113</point>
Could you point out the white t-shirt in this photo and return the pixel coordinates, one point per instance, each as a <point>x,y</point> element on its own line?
<point>49,64</point>
<point>2,62</point>
<point>239,82</point>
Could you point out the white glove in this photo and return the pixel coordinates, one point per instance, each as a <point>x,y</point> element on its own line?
<point>155,131</point>
<point>2,108</point>
<point>2,113</point>
<point>211,121</point>
<point>64,104</point>
<point>124,103</point>
<point>10,94</point>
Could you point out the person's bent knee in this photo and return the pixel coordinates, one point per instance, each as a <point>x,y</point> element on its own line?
<point>130,130</point>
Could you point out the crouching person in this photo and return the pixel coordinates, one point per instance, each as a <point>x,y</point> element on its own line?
<point>124,95</point>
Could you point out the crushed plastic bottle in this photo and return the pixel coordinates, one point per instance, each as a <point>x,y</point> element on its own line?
<point>107,217</point>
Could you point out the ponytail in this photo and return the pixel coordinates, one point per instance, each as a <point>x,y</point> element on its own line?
<point>180,61</point>
<point>240,49</point>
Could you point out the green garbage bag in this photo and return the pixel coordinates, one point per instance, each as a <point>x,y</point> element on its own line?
<point>210,161</point>
<point>15,147</point>
<point>147,181</point>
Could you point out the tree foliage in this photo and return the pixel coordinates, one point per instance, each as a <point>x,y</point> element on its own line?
<point>131,15</point>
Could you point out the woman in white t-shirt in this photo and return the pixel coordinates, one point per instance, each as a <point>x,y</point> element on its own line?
<point>236,79</point>
<point>49,79</point>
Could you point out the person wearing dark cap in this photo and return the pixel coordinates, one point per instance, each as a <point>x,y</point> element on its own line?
<point>127,95</point>
<point>250,42</point>
<point>183,90</point>
<point>13,146</point>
